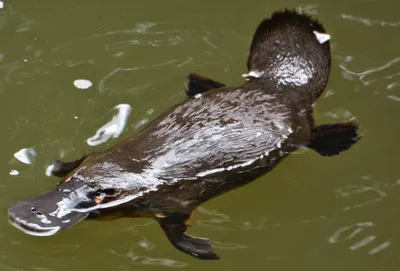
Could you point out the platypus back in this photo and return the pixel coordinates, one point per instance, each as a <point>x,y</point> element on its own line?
<point>290,51</point>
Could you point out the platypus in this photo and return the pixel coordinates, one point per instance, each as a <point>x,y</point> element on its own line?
<point>218,139</point>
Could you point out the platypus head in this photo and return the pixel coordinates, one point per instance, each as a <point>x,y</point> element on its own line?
<point>60,208</point>
<point>291,51</point>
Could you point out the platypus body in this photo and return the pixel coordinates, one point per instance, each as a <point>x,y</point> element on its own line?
<point>217,140</point>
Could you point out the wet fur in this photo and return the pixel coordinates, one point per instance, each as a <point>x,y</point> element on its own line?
<point>218,141</point>
<point>279,43</point>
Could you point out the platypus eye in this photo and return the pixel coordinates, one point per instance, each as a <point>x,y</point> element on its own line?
<point>108,191</point>
<point>103,192</point>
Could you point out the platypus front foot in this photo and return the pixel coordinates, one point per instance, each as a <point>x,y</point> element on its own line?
<point>199,248</point>
<point>332,139</point>
<point>199,84</point>
<point>62,169</point>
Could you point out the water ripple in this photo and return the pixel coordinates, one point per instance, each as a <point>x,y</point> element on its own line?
<point>9,268</point>
<point>310,9</point>
<point>179,63</point>
<point>351,232</point>
<point>363,242</point>
<point>361,75</point>
<point>215,221</point>
<point>379,248</point>
<point>36,268</point>
<point>350,191</point>
<point>369,22</point>
<point>228,246</point>
<point>137,259</point>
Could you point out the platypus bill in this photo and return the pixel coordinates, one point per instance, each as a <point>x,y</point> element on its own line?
<point>217,140</point>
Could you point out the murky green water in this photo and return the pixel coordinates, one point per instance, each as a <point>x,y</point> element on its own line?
<point>310,213</point>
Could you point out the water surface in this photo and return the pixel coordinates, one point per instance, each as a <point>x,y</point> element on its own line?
<point>310,213</point>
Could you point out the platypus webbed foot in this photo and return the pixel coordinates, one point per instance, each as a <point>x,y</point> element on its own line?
<point>199,84</point>
<point>199,248</point>
<point>332,139</point>
<point>61,168</point>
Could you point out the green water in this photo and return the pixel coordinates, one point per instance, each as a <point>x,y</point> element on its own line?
<point>310,213</point>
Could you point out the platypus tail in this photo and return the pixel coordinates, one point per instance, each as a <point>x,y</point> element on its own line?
<point>291,51</point>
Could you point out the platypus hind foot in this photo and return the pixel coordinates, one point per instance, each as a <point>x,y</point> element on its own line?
<point>199,84</point>
<point>199,248</point>
<point>61,168</point>
<point>332,139</point>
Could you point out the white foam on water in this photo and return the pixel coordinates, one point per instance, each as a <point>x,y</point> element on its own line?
<point>49,170</point>
<point>14,172</point>
<point>322,37</point>
<point>82,83</point>
<point>25,155</point>
<point>113,128</point>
